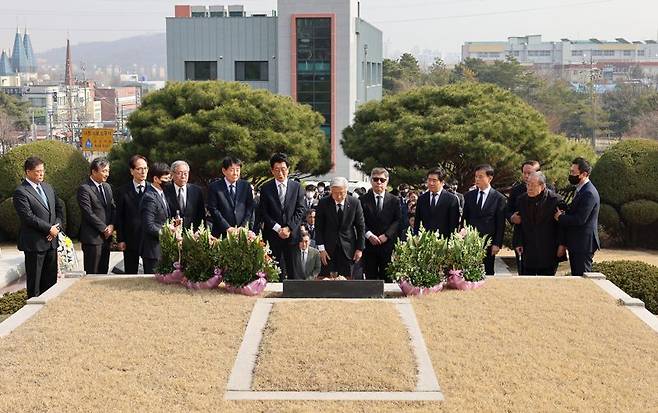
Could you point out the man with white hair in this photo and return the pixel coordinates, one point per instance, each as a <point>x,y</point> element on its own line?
<point>539,241</point>
<point>186,199</point>
<point>340,230</point>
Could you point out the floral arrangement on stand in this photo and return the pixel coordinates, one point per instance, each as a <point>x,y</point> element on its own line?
<point>427,262</point>
<point>67,260</point>
<point>197,260</point>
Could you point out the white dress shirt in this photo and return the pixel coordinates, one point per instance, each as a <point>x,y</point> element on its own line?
<point>484,197</point>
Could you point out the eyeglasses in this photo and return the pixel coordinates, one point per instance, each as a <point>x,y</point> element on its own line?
<point>378,179</point>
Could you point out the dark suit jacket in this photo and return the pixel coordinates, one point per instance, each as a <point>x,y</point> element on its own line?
<point>37,218</point>
<point>348,235</point>
<point>444,217</point>
<point>490,220</point>
<point>224,212</point>
<point>313,263</point>
<point>195,208</point>
<point>539,234</point>
<point>385,222</point>
<point>581,221</point>
<point>96,215</point>
<point>128,222</point>
<point>271,213</point>
<point>154,215</point>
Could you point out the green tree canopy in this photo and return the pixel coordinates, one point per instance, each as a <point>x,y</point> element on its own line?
<point>18,110</point>
<point>457,127</point>
<point>201,122</point>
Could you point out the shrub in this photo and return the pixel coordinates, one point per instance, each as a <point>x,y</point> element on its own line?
<point>609,219</point>
<point>9,219</point>
<point>627,171</point>
<point>66,168</point>
<point>640,212</point>
<point>638,279</point>
<point>73,217</point>
<point>12,302</point>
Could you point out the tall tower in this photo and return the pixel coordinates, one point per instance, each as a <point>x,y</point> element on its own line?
<point>29,53</point>
<point>5,65</point>
<point>68,75</point>
<point>18,56</point>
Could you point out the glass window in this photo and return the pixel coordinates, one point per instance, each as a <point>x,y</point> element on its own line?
<point>251,71</point>
<point>198,70</point>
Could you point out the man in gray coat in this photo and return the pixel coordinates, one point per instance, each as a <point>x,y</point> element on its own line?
<point>308,259</point>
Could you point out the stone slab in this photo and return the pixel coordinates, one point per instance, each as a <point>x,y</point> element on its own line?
<point>18,318</point>
<point>12,267</point>
<point>310,395</point>
<point>594,275</point>
<point>62,285</point>
<point>646,316</point>
<point>501,269</point>
<point>245,362</point>
<point>333,289</point>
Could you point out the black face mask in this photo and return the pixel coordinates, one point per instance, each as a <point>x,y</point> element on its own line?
<point>166,184</point>
<point>574,179</point>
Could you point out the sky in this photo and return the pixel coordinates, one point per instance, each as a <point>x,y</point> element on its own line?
<point>408,25</point>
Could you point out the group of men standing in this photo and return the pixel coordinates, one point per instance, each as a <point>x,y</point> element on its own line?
<point>345,230</point>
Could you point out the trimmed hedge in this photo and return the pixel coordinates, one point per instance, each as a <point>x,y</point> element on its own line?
<point>627,171</point>
<point>609,219</point>
<point>638,279</point>
<point>12,302</point>
<point>640,212</point>
<point>66,168</point>
<point>9,219</point>
<point>73,217</point>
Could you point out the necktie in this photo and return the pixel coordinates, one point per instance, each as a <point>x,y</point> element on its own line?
<point>140,189</point>
<point>282,194</point>
<point>339,213</point>
<point>379,203</point>
<point>433,204</point>
<point>181,199</point>
<point>101,194</point>
<point>164,202</point>
<point>231,192</point>
<point>480,198</point>
<point>43,196</point>
<point>304,259</point>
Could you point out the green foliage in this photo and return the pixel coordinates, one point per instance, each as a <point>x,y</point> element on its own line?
<point>12,302</point>
<point>16,109</point>
<point>626,103</point>
<point>66,168</point>
<point>241,258</point>
<point>199,256</point>
<point>73,217</point>
<point>9,221</point>
<point>636,278</point>
<point>565,151</point>
<point>640,212</point>
<point>169,248</point>
<point>202,122</point>
<point>627,171</point>
<point>455,126</point>
<point>421,259</point>
<point>609,219</point>
<point>466,252</point>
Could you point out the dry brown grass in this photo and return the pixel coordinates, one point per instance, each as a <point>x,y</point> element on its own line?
<point>539,345</point>
<point>335,346</point>
<point>135,345</point>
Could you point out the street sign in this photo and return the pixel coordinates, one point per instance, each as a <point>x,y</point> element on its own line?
<point>97,139</point>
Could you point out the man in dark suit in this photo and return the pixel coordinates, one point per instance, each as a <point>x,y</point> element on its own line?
<point>403,191</point>
<point>185,199</point>
<point>155,211</point>
<point>308,259</point>
<point>230,200</point>
<point>437,209</point>
<point>512,209</point>
<point>128,217</point>
<point>41,215</point>
<point>309,226</point>
<point>310,197</point>
<point>484,209</point>
<point>381,212</point>
<point>581,220</point>
<point>539,242</point>
<point>281,209</point>
<point>98,214</point>
<point>340,230</point>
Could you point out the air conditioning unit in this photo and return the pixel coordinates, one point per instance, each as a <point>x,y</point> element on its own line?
<point>217,11</point>
<point>236,10</point>
<point>199,11</point>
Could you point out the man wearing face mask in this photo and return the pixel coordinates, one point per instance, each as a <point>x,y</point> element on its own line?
<point>154,210</point>
<point>580,222</point>
<point>310,200</point>
<point>539,241</point>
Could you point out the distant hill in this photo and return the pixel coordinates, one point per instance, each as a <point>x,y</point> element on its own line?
<point>146,50</point>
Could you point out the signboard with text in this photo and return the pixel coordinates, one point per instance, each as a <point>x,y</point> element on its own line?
<point>97,139</point>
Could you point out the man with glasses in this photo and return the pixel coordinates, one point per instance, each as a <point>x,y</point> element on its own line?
<point>128,219</point>
<point>381,211</point>
<point>186,199</point>
<point>281,209</point>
